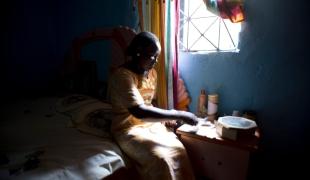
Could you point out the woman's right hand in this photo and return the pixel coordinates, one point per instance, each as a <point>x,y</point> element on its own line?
<point>188,117</point>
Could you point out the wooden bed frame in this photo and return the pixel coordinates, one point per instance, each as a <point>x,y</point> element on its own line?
<point>80,76</point>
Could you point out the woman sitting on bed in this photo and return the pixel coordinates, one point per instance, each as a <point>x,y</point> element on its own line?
<point>137,127</point>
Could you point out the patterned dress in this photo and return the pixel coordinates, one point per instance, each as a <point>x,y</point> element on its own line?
<point>156,151</point>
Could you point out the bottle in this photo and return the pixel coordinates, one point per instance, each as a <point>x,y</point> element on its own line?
<point>201,109</point>
<point>212,106</point>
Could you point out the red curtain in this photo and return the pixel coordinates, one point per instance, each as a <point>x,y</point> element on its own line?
<point>227,9</point>
<point>175,69</point>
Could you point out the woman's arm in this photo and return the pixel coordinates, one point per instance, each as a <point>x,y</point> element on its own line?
<point>150,113</point>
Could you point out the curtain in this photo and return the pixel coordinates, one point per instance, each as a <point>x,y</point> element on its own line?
<point>227,9</point>
<point>152,18</point>
<point>162,18</point>
<point>169,56</point>
<point>174,25</point>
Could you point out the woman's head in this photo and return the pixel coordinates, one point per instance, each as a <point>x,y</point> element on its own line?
<point>144,50</point>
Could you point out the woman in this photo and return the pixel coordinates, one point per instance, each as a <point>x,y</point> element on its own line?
<point>136,126</point>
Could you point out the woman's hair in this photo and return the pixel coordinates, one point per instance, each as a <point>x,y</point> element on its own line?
<point>141,41</point>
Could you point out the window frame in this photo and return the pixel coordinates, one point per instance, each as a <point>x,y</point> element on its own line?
<point>186,16</point>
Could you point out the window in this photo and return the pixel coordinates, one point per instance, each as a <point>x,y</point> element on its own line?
<point>200,30</point>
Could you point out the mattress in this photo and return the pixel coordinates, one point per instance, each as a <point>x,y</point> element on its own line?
<point>37,143</point>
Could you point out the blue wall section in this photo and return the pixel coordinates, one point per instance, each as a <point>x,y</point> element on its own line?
<point>269,75</point>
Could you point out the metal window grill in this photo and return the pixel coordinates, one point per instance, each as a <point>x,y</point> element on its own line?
<point>200,30</point>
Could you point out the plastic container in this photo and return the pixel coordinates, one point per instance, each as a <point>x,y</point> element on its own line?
<point>212,104</point>
<point>233,127</point>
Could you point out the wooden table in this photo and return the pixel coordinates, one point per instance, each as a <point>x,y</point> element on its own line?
<point>213,157</point>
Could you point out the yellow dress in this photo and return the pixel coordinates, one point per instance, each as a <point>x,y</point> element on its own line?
<point>156,151</point>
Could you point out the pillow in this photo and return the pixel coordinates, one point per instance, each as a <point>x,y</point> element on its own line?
<point>88,114</point>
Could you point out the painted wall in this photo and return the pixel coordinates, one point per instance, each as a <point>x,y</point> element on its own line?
<point>269,75</point>
<point>37,35</point>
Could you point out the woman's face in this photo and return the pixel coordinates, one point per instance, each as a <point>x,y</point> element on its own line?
<point>148,58</point>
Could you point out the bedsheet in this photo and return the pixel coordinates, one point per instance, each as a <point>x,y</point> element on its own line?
<point>36,143</point>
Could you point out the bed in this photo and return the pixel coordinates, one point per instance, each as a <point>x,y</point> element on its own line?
<point>66,135</point>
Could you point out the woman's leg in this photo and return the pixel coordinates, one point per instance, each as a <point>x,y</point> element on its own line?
<point>158,153</point>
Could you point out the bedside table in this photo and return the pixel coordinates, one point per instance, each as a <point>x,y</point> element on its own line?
<point>215,158</point>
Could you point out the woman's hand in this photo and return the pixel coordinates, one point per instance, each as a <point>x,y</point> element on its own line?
<point>188,117</point>
<point>172,124</point>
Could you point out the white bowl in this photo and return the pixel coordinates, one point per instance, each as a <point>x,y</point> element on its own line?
<point>237,122</point>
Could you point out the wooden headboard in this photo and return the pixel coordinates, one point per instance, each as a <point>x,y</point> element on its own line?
<point>81,76</point>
